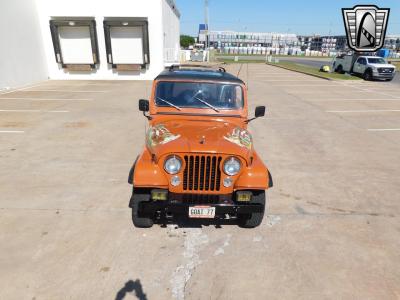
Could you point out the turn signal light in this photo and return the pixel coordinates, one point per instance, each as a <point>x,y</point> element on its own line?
<point>243,196</point>
<point>159,195</point>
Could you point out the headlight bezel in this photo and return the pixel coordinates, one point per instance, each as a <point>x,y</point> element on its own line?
<point>177,158</point>
<point>235,160</point>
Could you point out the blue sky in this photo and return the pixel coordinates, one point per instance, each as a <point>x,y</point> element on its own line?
<point>300,17</point>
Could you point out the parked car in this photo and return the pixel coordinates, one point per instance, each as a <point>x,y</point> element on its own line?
<point>199,160</point>
<point>368,67</point>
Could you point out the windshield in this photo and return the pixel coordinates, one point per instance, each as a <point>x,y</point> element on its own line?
<point>199,95</point>
<point>377,60</point>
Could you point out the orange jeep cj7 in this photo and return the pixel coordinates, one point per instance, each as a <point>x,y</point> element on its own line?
<point>199,160</point>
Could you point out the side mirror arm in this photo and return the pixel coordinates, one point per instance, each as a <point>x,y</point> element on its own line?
<point>147,116</point>
<point>251,119</point>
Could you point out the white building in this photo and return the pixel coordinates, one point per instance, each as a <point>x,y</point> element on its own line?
<point>86,39</point>
<point>252,42</point>
<point>251,39</point>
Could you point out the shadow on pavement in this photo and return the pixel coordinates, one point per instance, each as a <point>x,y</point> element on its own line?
<point>129,287</point>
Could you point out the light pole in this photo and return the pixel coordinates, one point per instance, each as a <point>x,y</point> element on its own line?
<point>207,24</point>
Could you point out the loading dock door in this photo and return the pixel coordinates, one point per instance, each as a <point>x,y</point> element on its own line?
<point>75,43</point>
<point>76,46</point>
<point>127,45</point>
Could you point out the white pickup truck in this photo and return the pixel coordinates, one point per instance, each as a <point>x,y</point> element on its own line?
<point>369,67</point>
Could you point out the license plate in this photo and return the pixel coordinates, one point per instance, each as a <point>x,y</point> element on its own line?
<point>207,212</point>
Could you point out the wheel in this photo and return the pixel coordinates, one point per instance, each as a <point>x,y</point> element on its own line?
<point>389,79</point>
<point>139,221</point>
<point>254,219</point>
<point>339,69</point>
<point>367,75</point>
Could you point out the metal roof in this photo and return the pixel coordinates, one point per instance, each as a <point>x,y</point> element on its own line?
<point>194,74</point>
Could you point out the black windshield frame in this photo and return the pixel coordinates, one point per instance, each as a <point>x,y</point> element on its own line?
<point>193,94</point>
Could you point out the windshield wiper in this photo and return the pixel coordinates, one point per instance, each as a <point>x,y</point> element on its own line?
<point>206,103</point>
<point>169,103</point>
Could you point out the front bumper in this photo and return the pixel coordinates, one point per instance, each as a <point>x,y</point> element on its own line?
<point>152,208</point>
<point>377,75</point>
<point>178,204</point>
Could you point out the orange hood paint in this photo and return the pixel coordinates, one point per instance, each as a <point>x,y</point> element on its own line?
<point>197,136</point>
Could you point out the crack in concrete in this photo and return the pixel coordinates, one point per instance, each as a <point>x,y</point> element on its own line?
<point>195,239</point>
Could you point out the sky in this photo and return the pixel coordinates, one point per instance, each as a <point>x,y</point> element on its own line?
<point>301,17</point>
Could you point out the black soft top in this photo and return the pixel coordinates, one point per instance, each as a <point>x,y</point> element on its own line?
<point>197,73</point>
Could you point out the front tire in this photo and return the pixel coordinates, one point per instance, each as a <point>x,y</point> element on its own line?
<point>254,219</point>
<point>339,69</point>
<point>138,220</point>
<point>368,75</point>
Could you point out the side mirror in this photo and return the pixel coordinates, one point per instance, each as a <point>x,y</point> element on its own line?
<point>260,111</point>
<point>144,105</point>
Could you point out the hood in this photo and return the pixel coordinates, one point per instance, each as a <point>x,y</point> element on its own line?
<point>197,136</point>
<point>382,66</point>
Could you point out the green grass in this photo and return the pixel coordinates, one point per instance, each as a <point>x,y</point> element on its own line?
<point>273,55</point>
<point>302,56</point>
<point>313,71</point>
<point>231,54</point>
<point>295,67</point>
<point>397,64</point>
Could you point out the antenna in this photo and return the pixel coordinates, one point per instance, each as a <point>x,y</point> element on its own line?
<point>247,76</point>
<point>240,69</point>
<point>247,73</point>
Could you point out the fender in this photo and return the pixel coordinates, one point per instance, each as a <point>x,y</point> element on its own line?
<point>254,177</point>
<point>270,182</point>
<point>131,171</point>
<point>146,173</point>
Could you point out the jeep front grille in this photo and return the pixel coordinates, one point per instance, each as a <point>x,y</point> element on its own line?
<point>202,173</point>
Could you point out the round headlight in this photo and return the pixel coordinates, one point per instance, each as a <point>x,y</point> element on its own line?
<point>232,166</point>
<point>173,164</point>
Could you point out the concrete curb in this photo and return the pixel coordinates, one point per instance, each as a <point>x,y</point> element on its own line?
<point>282,67</point>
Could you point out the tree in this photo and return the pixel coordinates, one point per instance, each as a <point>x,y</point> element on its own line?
<point>186,41</point>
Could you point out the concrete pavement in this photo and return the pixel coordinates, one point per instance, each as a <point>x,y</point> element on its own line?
<point>332,229</point>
